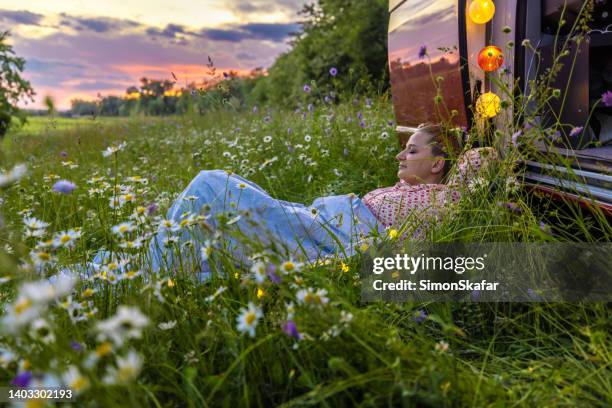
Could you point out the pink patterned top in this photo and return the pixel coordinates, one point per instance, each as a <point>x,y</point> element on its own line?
<point>392,206</point>
<point>395,205</point>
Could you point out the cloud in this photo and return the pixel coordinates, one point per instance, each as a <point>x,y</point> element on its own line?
<point>97,24</point>
<point>21,17</point>
<point>170,31</point>
<point>86,55</point>
<point>246,56</point>
<point>248,8</point>
<point>95,86</point>
<point>275,32</point>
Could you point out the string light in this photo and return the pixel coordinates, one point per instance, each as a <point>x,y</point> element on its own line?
<point>490,58</point>
<point>481,11</point>
<point>488,105</point>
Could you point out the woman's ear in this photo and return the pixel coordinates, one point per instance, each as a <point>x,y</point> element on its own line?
<point>437,166</point>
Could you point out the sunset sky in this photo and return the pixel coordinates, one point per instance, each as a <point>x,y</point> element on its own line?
<point>79,48</point>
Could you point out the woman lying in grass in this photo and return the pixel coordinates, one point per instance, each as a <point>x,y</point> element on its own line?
<point>217,200</point>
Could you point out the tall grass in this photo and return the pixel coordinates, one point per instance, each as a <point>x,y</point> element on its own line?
<point>179,343</point>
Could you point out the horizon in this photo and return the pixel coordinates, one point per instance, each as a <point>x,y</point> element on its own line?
<point>77,51</point>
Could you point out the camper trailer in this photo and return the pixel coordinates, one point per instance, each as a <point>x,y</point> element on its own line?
<point>443,39</point>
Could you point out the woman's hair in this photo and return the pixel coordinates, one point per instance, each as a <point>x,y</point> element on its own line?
<point>443,143</point>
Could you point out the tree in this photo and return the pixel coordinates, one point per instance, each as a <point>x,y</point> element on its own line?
<point>12,86</point>
<point>349,35</point>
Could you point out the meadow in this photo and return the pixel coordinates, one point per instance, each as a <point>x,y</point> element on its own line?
<point>293,339</point>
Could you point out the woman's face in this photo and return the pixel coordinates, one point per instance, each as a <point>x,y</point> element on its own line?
<point>417,165</point>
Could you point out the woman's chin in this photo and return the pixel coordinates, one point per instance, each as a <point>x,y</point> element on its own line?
<point>406,178</point>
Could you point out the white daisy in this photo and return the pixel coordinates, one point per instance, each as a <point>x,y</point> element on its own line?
<point>127,370</point>
<point>311,297</point>
<point>113,149</point>
<point>74,380</point>
<point>126,324</point>
<point>248,319</point>
<point>66,239</point>
<point>123,228</point>
<point>259,271</point>
<point>167,325</point>
<point>290,267</point>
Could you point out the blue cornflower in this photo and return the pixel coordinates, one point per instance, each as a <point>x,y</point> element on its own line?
<point>64,187</point>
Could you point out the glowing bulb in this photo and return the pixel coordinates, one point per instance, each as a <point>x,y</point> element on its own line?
<point>488,105</point>
<point>481,11</point>
<point>490,58</point>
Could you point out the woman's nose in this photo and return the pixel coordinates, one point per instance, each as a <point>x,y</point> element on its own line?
<point>400,156</point>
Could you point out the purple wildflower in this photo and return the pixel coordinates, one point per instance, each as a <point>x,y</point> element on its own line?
<point>63,154</point>
<point>225,75</point>
<point>266,119</point>
<point>359,115</point>
<point>553,137</point>
<point>515,137</point>
<point>333,71</point>
<point>64,187</point>
<point>422,52</point>
<point>310,107</point>
<point>76,346</point>
<point>420,316</point>
<point>533,295</point>
<point>290,148</point>
<point>362,124</point>
<point>368,102</point>
<point>327,99</point>
<point>545,228</point>
<point>346,151</point>
<point>304,115</point>
<point>307,88</point>
<point>271,270</point>
<point>475,295</point>
<point>22,379</point>
<point>510,205</point>
<point>255,109</point>
<point>606,98</point>
<point>291,330</point>
<point>390,123</point>
<point>151,208</point>
<point>289,131</point>
<point>576,131</point>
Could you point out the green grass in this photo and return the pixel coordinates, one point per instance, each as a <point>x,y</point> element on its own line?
<point>506,354</point>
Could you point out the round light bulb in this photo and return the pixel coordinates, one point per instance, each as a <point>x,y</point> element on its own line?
<point>490,58</point>
<point>488,105</point>
<point>481,11</point>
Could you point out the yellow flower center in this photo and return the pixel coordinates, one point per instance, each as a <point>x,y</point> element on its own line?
<point>44,256</point>
<point>104,348</point>
<point>289,266</point>
<point>22,306</point>
<point>250,318</point>
<point>79,384</point>
<point>65,238</point>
